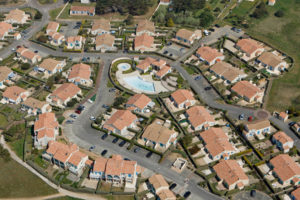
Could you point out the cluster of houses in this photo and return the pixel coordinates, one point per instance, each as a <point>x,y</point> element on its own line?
<point>14,17</point>
<point>159,67</point>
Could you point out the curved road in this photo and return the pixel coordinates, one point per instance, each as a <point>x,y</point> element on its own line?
<point>84,136</point>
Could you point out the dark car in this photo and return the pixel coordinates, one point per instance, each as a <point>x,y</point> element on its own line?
<point>104,136</point>
<point>187,194</point>
<point>92,147</point>
<point>126,159</point>
<point>112,89</point>
<point>292,123</point>
<point>137,149</point>
<point>69,122</point>
<point>122,143</point>
<point>211,29</point>
<point>105,106</point>
<point>197,78</point>
<point>103,152</point>
<point>217,25</point>
<point>78,111</point>
<point>81,108</point>
<point>148,155</point>
<point>172,186</point>
<point>165,52</point>
<point>36,51</point>
<point>253,193</point>
<point>115,140</point>
<point>207,88</point>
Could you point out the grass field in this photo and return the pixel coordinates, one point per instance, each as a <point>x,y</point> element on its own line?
<point>284,34</point>
<point>53,13</point>
<point>64,198</point>
<point>16,181</point>
<point>3,121</point>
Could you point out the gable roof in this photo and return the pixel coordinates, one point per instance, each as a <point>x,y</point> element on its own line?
<point>216,141</point>
<point>285,167</point>
<point>4,72</point>
<point>46,121</point>
<point>208,53</point>
<point>270,59</point>
<point>158,133</point>
<point>81,70</point>
<point>49,64</point>
<point>184,33</point>
<point>120,120</point>
<point>248,45</point>
<point>182,95</point>
<point>101,24</point>
<point>144,64</point>
<point>158,181</point>
<point>258,124</point>
<point>89,9</point>
<point>226,70</point>
<point>247,89</point>
<point>52,26</point>
<point>145,25</point>
<point>34,103</point>
<point>198,115</point>
<point>282,137</point>
<point>105,39</point>
<point>230,171</point>
<point>61,152</point>
<point>139,100</point>
<point>143,40</point>
<point>13,92</point>
<point>65,91</point>
<point>296,194</point>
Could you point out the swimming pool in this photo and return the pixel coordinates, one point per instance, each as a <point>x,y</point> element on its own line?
<point>139,84</point>
<point>124,66</point>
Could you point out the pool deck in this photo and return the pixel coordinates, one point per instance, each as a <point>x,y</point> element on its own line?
<point>157,84</point>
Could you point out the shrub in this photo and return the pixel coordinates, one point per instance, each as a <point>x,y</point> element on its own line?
<point>38,15</point>
<point>279,13</point>
<point>25,66</point>
<point>43,39</point>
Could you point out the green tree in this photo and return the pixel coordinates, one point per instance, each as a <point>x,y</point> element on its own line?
<point>279,13</point>
<point>25,66</point>
<point>206,18</point>
<point>4,154</point>
<point>129,20</point>
<point>38,15</point>
<point>260,11</point>
<point>187,140</point>
<point>170,22</point>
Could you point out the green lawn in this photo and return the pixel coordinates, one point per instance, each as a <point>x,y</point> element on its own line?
<point>243,8</point>
<point>284,34</point>
<point>47,1</point>
<point>18,147</point>
<point>65,198</point>
<point>53,13</point>
<point>3,121</point>
<point>16,181</point>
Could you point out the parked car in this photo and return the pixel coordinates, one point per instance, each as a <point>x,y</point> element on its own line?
<point>172,186</point>
<point>103,152</point>
<point>92,147</point>
<point>197,78</point>
<point>92,118</point>
<point>104,136</point>
<point>112,89</point>
<point>187,194</point>
<point>207,88</point>
<point>78,111</point>
<point>115,140</point>
<point>36,51</point>
<point>81,107</point>
<point>149,154</point>
<point>165,52</point>
<point>252,193</point>
<point>292,123</point>
<point>69,122</point>
<point>105,106</point>
<point>126,159</point>
<point>122,143</point>
<point>241,116</point>
<point>217,25</point>
<point>137,149</point>
<point>250,119</point>
<point>73,116</point>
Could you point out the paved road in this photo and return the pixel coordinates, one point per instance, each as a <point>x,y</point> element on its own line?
<point>81,132</point>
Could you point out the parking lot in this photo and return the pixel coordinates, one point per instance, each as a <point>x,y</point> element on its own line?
<point>124,144</point>
<point>71,29</point>
<point>173,50</point>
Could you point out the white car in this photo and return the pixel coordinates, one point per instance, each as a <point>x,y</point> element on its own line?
<point>92,118</point>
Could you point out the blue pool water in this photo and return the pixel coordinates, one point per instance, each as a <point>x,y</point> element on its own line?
<point>139,84</point>
<point>124,66</point>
